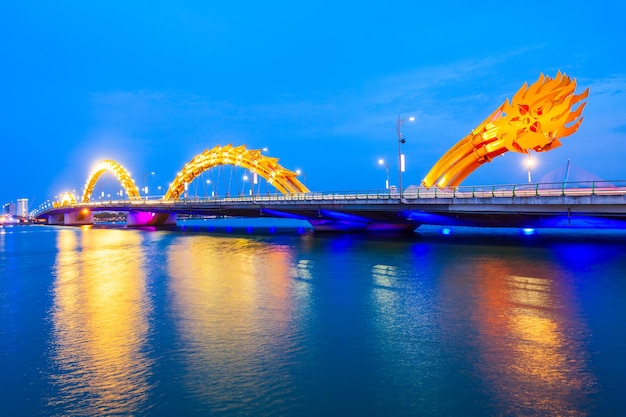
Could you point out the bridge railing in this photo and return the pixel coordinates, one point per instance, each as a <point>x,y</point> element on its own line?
<point>582,188</point>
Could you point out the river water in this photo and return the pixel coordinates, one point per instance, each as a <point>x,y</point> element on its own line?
<point>101,321</point>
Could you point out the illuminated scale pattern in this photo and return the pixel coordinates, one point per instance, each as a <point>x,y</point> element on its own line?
<point>67,199</point>
<point>120,173</point>
<point>267,167</point>
<point>283,179</point>
<point>535,118</point>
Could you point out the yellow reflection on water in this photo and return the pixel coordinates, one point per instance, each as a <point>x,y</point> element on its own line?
<point>99,321</point>
<point>529,341</point>
<point>232,298</point>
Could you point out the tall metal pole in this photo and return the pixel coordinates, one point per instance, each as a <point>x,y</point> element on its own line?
<point>145,182</point>
<point>386,164</point>
<point>243,185</point>
<point>387,176</point>
<point>401,140</point>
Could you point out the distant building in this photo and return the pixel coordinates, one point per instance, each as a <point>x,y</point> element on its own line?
<point>9,208</point>
<point>22,207</point>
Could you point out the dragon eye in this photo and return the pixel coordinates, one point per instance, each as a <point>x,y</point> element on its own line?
<point>535,127</point>
<point>523,109</point>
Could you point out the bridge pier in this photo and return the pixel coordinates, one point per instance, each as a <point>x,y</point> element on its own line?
<point>145,218</point>
<point>392,227</point>
<point>326,225</point>
<point>72,218</point>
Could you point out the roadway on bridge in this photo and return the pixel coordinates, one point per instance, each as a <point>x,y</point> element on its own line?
<point>519,206</point>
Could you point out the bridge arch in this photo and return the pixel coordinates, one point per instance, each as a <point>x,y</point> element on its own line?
<point>267,167</point>
<point>120,173</point>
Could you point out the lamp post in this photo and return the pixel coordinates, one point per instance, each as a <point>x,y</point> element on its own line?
<point>145,182</point>
<point>529,162</point>
<point>401,140</point>
<point>299,171</point>
<point>243,186</point>
<point>382,162</point>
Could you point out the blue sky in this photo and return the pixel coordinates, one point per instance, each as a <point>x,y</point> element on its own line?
<point>320,84</point>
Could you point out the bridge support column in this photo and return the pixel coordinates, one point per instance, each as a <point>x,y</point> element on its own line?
<point>325,225</point>
<point>392,227</point>
<point>56,219</point>
<point>144,218</point>
<point>72,218</point>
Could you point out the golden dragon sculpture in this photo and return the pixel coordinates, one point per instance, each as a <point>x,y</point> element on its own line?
<point>536,118</point>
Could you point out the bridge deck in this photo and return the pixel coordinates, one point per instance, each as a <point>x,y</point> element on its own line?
<point>494,207</point>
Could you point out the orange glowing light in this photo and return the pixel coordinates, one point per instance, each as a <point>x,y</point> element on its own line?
<point>267,167</point>
<point>120,173</point>
<point>535,119</point>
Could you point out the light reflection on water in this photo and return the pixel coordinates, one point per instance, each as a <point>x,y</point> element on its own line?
<point>99,323</point>
<point>528,335</point>
<point>160,323</point>
<point>232,303</point>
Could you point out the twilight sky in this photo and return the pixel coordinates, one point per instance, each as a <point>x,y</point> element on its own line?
<point>319,83</point>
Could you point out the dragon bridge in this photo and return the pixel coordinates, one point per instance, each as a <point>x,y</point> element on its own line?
<point>536,118</point>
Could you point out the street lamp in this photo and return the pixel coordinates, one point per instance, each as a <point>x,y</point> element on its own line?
<point>243,186</point>
<point>298,171</point>
<point>529,163</point>
<point>255,182</point>
<point>401,140</point>
<point>145,182</point>
<point>382,162</point>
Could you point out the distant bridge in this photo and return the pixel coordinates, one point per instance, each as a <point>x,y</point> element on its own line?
<point>562,205</point>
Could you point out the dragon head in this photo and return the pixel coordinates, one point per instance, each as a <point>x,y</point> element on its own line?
<point>539,114</point>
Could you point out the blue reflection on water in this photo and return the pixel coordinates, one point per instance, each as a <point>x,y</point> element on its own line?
<point>479,322</point>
